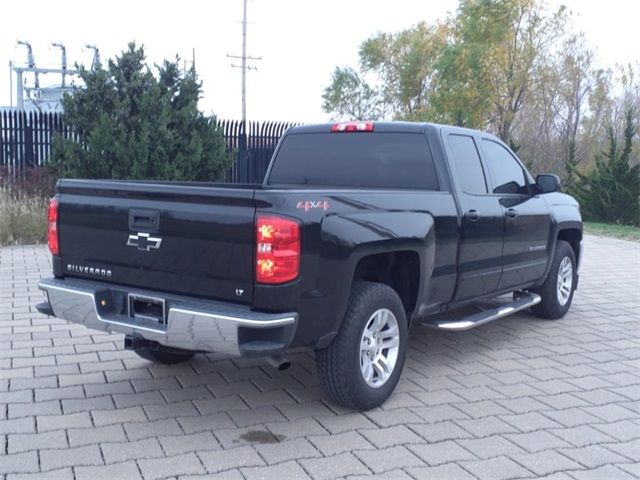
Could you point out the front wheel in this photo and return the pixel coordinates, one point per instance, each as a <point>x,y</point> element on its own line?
<point>557,290</point>
<point>362,366</point>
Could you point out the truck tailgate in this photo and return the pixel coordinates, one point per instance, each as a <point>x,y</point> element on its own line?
<point>194,239</point>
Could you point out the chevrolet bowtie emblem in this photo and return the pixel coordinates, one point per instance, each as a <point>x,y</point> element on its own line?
<point>142,241</point>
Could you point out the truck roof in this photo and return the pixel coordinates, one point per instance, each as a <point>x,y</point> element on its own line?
<point>396,127</point>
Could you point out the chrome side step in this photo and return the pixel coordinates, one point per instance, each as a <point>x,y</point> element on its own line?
<point>487,313</point>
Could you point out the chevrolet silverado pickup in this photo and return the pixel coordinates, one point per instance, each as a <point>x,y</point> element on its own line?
<point>359,231</point>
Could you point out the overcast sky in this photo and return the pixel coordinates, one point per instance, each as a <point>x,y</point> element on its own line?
<point>300,41</point>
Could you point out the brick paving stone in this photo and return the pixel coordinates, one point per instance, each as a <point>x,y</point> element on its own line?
<point>449,471</point>
<point>215,405</point>
<point>483,427</point>
<point>24,462</point>
<point>18,425</point>
<point>59,474</point>
<point>159,468</point>
<point>50,407</point>
<point>96,435</point>
<point>623,431</point>
<point>441,452</point>
<point>280,452</point>
<point>122,451</point>
<point>128,470</point>
<point>437,432</point>
<point>296,411</point>
<point>118,415</point>
<point>345,442</point>
<point>390,475</point>
<point>537,441</point>
<point>498,468</point>
<point>87,404</point>
<point>544,463</point>
<point>58,393</point>
<point>297,428</point>
<point>276,472</point>
<point>23,442</point>
<point>214,422</point>
<point>222,460</point>
<point>136,431</point>
<point>381,438</point>
<point>181,409</point>
<point>177,444</point>
<point>489,447</point>
<point>388,458</point>
<point>332,467</point>
<point>529,422</point>
<point>602,473</point>
<point>70,457</point>
<point>630,449</point>
<point>343,423</point>
<point>592,456</point>
<point>582,436</point>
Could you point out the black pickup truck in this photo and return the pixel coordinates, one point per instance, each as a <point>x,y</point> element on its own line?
<point>359,231</point>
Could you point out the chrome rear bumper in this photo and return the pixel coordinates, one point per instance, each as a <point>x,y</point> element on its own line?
<point>191,324</point>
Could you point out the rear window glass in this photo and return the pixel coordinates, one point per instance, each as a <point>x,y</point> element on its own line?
<point>380,160</point>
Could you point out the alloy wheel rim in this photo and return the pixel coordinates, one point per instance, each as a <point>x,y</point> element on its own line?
<point>379,347</point>
<point>565,281</point>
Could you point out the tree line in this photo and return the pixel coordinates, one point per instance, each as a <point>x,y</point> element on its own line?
<point>520,70</point>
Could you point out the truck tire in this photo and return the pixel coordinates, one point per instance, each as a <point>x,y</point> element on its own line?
<point>158,355</point>
<point>362,365</point>
<point>557,289</point>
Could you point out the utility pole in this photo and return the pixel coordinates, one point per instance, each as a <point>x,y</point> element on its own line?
<point>10,83</point>
<point>243,61</point>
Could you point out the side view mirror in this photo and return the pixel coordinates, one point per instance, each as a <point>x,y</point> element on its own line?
<point>548,183</point>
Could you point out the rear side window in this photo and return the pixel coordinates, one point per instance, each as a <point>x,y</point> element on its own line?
<point>379,160</point>
<point>467,163</point>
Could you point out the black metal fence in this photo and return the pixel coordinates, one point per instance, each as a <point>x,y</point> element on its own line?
<point>26,138</point>
<point>254,143</point>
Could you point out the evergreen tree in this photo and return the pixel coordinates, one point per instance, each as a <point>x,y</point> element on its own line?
<point>610,191</point>
<point>130,124</point>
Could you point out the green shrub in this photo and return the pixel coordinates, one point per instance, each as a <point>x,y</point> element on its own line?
<point>130,122</point>
<point>610,191</point>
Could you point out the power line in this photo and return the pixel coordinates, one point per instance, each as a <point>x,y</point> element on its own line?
<point>243,58</point>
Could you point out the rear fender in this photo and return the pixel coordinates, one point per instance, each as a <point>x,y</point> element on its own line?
<point>348,238</point>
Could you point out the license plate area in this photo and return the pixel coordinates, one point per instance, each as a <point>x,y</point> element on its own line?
<point>147,309</point>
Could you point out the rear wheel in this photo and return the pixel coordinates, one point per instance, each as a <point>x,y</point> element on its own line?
<point>362,366</point>
<point>557,290</point>
<point>160,355</point>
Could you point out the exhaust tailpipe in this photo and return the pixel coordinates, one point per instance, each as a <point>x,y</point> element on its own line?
<point>278,362</point>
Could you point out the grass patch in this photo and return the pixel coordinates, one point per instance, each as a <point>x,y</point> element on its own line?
<point>23,218</point>
<point>625,232</point>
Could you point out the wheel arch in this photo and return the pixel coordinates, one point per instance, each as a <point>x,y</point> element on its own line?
<point>400,270</point>
<point>573,236</point>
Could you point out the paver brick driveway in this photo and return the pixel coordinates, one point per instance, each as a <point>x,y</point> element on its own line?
<point>517,398</point>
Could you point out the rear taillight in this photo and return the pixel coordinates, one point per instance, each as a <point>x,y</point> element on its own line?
<point>52,228</point>
<point>277,249</point>
<point>352,127</point>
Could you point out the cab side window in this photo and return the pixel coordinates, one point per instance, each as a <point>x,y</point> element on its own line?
<point>508,176</point>
<point>467,163</point>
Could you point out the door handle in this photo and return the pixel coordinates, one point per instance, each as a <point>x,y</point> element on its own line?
<point>146,220</point>
<point>472,215</point>
<point>511,213</point>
